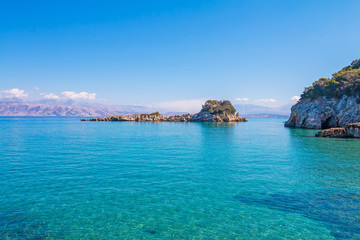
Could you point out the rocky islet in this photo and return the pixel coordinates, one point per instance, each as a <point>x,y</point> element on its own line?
<point>212,111</point>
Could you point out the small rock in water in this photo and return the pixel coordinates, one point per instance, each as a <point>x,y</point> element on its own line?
<point>351,130</point>
<point>332,133</point>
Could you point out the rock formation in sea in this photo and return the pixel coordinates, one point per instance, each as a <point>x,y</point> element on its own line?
<point>329,102</point>
<point>351,130</point>
<point>217,111</point>
<point>212,111</point>
<point>153,117</point>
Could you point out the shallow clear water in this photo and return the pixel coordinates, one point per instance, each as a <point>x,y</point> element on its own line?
<point>65,179</point>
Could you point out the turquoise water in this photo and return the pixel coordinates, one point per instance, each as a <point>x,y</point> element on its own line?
<point>65,179</point>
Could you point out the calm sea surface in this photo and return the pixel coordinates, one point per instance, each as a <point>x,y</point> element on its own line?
<point>65,179</point>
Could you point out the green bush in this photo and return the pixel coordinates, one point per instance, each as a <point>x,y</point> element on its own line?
<point>218,107</point>
<point>344,82</point>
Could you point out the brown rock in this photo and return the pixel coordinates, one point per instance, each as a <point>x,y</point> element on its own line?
<point>332,133</point>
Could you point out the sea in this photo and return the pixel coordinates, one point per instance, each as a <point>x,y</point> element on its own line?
<point>61,178</point>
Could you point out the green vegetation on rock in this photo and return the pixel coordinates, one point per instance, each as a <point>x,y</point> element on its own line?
<point>345,82</point>
<point>218,107</point>
<point>155,114</point>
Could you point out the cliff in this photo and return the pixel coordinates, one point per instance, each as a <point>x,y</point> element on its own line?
<point>329,103</point>
<point>212,111</point>
<point>324,113</point>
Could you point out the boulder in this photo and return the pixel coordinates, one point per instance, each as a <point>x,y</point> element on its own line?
<point>332,133</point>
<point>351,130</point>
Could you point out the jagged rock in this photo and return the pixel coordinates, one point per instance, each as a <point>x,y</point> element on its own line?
<point>351,130</point>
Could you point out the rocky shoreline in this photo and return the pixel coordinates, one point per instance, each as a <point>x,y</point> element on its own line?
<point>212,111</point>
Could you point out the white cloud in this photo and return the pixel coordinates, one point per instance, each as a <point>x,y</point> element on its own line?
<point>36,88</point>
<point>191,106</point>
<point>79,96</point>
<point>51,96</point>
<point>14,92</point>
<point>269,100</point>
<point>295,98</point>
<point>242,99</point>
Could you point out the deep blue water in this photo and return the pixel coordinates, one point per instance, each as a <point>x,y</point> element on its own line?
<point>65,179</point>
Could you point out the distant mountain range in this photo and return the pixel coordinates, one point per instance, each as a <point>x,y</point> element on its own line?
<point>67,110</point>
<point>16,107</point>
<point>251,110</point>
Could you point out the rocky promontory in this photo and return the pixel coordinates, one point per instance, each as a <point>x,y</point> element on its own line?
<point>212,111</point>
<point>329,102</point>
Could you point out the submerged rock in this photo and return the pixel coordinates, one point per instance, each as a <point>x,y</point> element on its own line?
<point>212,111</point>
<point>338,210</point>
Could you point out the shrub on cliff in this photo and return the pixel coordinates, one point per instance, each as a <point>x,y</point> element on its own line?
<point>218,107</point>
<point>344,82</point>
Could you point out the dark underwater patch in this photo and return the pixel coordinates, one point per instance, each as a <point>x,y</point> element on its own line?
<point>16,225</point>
<point>337,210</point>
<point>150,231</point>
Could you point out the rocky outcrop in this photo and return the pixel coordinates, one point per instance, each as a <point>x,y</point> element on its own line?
<point>329,102</point>
<point>351,130</point>
<point>212,111</point>
<point>324,113</point>
<point>131,118</point>
<point>217,111</point>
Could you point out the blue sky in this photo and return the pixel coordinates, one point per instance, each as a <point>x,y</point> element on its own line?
<point>158,52</point>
